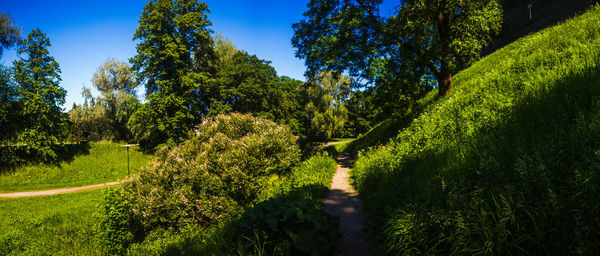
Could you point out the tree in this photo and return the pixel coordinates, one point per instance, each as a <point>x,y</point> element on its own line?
<point>325,110</point>
<point>362,112</point>
<point>89,121</point>
<point>246,84</point>
<point>9,36</point>
<point>115,81</point>
<point>38,78</point>
<point>173,54</point>
<point>9,32</point>
<point>429,37</point>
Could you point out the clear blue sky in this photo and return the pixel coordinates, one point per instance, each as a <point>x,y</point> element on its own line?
<point>86,33</point>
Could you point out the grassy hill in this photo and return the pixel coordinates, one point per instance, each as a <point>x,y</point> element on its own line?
<point>509,163</point>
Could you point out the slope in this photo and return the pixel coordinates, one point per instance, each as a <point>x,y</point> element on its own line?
<point>509,163</point>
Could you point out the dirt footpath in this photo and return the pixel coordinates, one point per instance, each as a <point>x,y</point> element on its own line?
<point>58,191</point>
<point>343,202</point>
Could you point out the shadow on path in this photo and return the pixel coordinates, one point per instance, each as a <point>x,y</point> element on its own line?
<point>343,202</point>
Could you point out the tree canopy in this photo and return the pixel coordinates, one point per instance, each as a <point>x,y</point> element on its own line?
<point>325,110</point>
<point>174,42</point>
<point>41,96</point>
<point>423,37</point>
<point>106,116</point>
<point>9,32</point>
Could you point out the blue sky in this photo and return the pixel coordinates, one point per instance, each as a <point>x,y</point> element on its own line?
<point>86,33</point>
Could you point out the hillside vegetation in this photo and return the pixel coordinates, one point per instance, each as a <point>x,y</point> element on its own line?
<point>506,164</point>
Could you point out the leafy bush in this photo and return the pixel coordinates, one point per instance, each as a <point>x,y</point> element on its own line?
<point>508,164</point>
<point>213,175</point>
<point>285,226</point>
<point>114,230</point>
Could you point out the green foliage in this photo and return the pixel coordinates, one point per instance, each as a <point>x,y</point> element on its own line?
<point>422,38</point>
<point>9,32</point>
<point>76,165</point>
<point>362,112</point>
<point>115,221</point>
<point>172,53</point>
<point>42,122</point>
<point>291,227</point>
<point>325,110</point>
<point>508,164</point>
<point>9,110</point>
<point>310,180</point>
<point>383,132</point>
<point>294,203</point>
<point>215,174</point>
<point>106,117</point>
<point>246,84</point>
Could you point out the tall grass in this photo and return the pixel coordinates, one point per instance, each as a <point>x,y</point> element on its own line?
<point>383,132</point>
<point>100,162</point>
<point>507,164</point>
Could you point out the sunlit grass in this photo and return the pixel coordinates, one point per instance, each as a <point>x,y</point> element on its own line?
<point>102,162</point>
<point>51,225</point>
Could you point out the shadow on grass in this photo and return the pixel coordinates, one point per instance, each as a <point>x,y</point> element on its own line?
<point>299,210</point>
<point>527,183</point>
<point>12,157</point>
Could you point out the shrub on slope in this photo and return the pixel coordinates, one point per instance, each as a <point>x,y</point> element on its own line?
<point>507,164</point>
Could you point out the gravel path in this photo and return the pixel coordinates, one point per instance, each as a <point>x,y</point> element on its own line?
<point>343,202</point>
<point>58,191</point>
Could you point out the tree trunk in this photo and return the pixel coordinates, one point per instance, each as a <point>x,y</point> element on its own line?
<point>445,85</point>
<point>444,78</point>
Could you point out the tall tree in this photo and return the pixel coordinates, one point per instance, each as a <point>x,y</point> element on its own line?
<point>9,32</point>
<point>429,37</point>
<point>38,78</point>
<point>116,83</point>
<point>174,49</point>
<point>246,84</point>
<point>9,36</point>
<point>325,110</point>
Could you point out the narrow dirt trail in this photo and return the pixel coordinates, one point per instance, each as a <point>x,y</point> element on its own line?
<point>343,202</point>
<point>58,191</point>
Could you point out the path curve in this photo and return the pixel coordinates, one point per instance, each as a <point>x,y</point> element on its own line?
<point>343,202</point>
<point>58,191</point>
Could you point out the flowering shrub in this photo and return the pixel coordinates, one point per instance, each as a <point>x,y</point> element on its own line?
<point>216,173</point>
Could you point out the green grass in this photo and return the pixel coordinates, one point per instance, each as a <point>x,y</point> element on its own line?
<point>383,132</point>
<point>101,162</point>
<point>52,225</point>
<point>508,164</point>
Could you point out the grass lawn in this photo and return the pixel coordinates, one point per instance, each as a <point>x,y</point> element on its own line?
<point>102,162</point>
<point>51,225</point>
